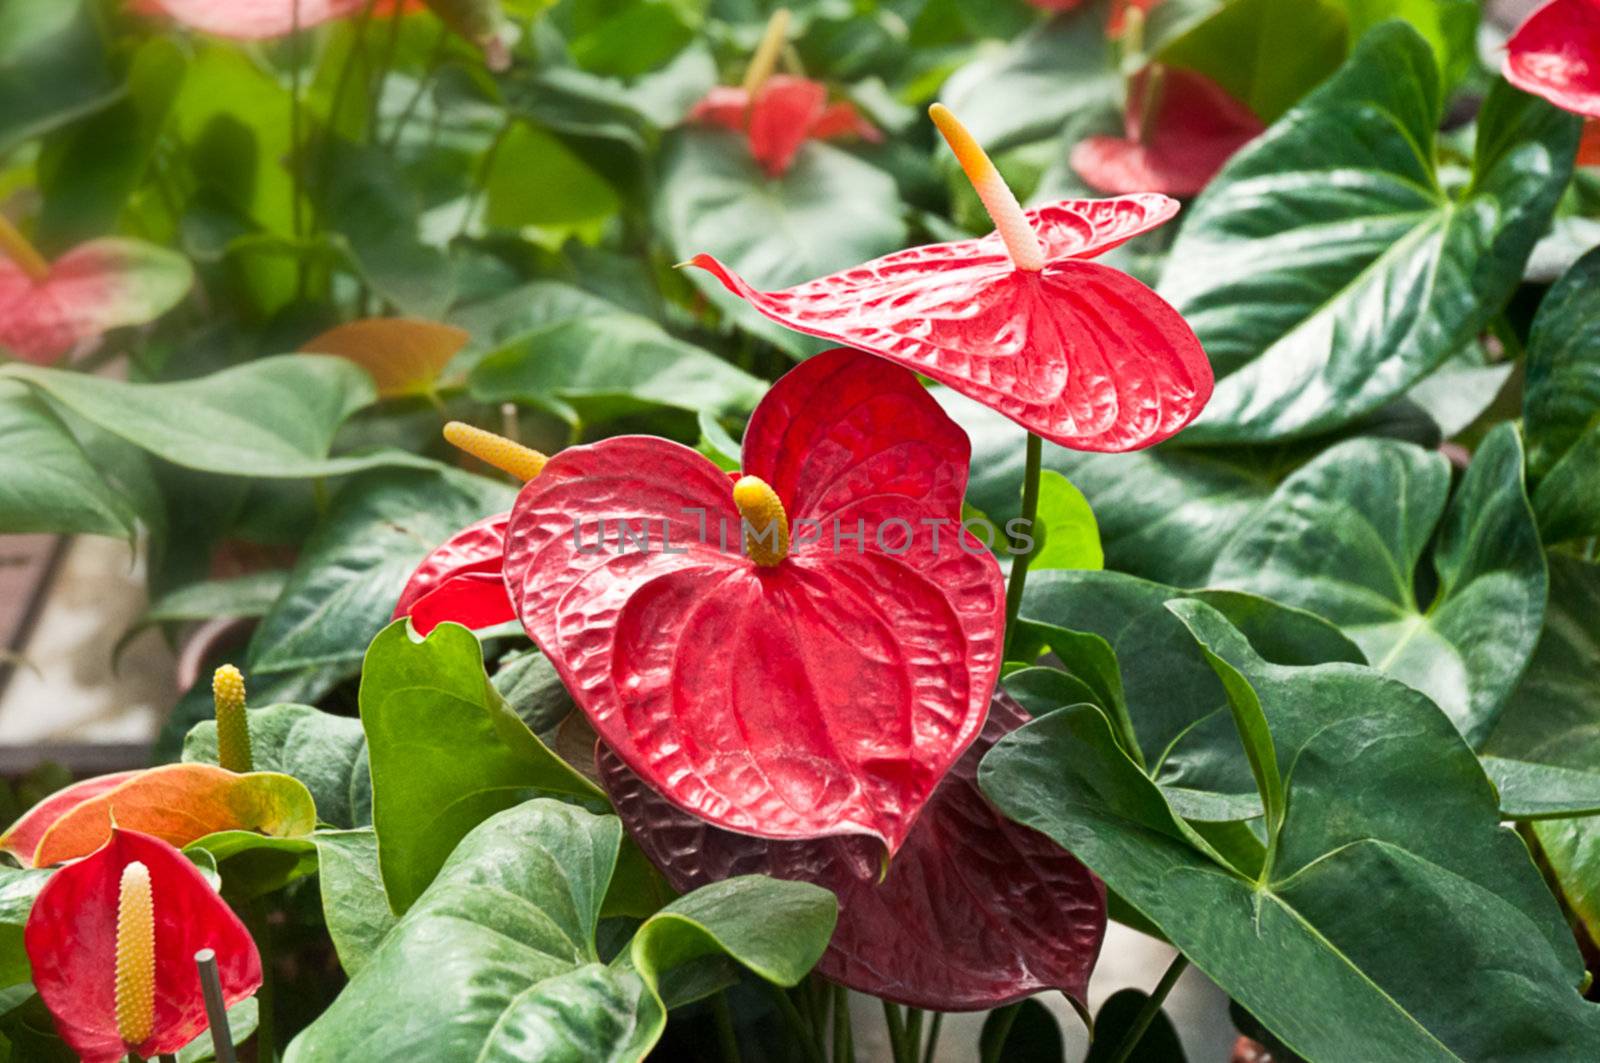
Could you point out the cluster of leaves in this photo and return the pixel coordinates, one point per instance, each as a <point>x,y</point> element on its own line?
<point>1305,661</point>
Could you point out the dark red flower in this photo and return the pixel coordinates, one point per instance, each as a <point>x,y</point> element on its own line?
<point>1180,128</point>
<point>784,113</point>
<point>1556,54</point>
<point>1079,353</point>
<point>817,686</point>
<point>975,911</point>
<point>167,912</point>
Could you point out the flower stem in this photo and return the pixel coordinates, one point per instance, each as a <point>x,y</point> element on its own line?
<point>726,1036</point>
<point>933,1037</point>
<point>1030,513</point>
<point>797,1023</point>
<point>897,1030</point>
<point>296,175</point>
<point>1152,1007</point>
<point>913,1033</point>
<point>844,1051</point>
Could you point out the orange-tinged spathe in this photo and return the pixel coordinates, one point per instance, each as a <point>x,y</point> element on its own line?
<point>1022,243</point>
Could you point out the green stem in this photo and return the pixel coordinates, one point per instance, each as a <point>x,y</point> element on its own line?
<point>358,49</point>
<point>726,1037</point>
<point>843,1050</point>
<point>1151,1009</point>
<point>1503,330</point>
<point>485,168</point>
<point>296,176</point>
<point>434,60</point>
<point>897,1030</point>
<point>933,1037</point>
<point>260,927</point>
<point>385,63</point>
<point>1002,1030</point>
<point>1030,513</point>
<point>913,1033</point>
<point>797,1023</point>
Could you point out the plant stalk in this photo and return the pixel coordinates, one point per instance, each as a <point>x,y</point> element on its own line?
<point>296,149</point>
<point>727,1038</point>
<point>897,1030</point>
<point>1152,1007</point>
<point>797,1023</point>
<point>1020,562</point>
<point>844,1050</point>
<point>260,927</point>
<point>933,1037</point>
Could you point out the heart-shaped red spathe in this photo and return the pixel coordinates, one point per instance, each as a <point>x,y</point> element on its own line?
<point>461,580</point>
<point>1079,353</point>
<point>785,113</point>
<point>824,695</point>
<point>1195,128</point>
<point>975,911</point>
<point>71,940</point>
<point>95,287</point>
<point>1555,53</point>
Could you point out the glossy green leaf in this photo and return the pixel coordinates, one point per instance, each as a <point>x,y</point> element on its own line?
<point>1345,537</point>
<point>253,865</point>
<point>497,959</point>
<point>534,690</point>
<point>447,753</point>
<point>828,212</point>
<point>273,417</point>
<point>325,752</point>
<point>1542,791</point>
<point>1265,53</point>
<point>1158,1044</point>
<point>47,482</point>
<point>1384,801</point>
<point>18,888</point>
<point>1449,26</point>
<point>354,906</point>
<point>1069,536</point>
<point>1561,404</point>
<point>53,67</point>
<point>569,198</point>
<point>1326,269</point>
<point>351,570</point>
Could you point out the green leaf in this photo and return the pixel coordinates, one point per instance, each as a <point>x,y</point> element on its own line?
<point>497,959</point>
<point>18,888</point>
<point>1553,722</point>
<point>1159,1044</point>
<point>828,212</point>
<point>249,595</point>
<point>273,417</point>
<point>351,570</point>
<point>1327,270</point>
<point>325,752</point>
<point>1265,53</point>
<point>1385,801</point>
<point>47,482</point>
<point>612,365</point>
<point>254,865</point>
<point>1542,791</point>
<point>1070,537</point>
<point>447,753</point>
<point>1026,1030</point>
<point>1177,706</point>
<point>1163,514</point>
<point>53,69</point>
<point>354,905</point>
<point>1561,404</point>
<point>1449,26</point>
<point>1345,536</point>
<point>569,198</point>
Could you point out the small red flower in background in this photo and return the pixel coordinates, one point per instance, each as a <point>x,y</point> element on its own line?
<point>1555,53</point>
<point>112,949</point>
<point>975,911</point>
<point>50,309</point>
<point>1180,127</point>
<point>1079,353</point>
<point>783,114</point>
<point>809,688</point>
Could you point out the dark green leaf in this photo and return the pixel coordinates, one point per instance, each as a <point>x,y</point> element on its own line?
<point>1385,801</point>
<point>1027,1030</point>
<point>1159,1044</point>
<point>1265,53</point>
<point>354,905</point>
<point>1561,406</point>
<point>1327,270</point>
<point>1542,791</point>
<point>533,689</point>
<point>1344,538</point>
<point>247,595</point>
<point>52,67</point>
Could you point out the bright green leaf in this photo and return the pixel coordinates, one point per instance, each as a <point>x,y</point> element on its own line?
<point>1070,536</point>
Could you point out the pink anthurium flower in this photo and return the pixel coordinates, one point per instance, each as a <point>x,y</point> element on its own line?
<point>821,679</point>
<point>1076,352</point>
<point>1180,128</point>
<point>112,938</point>
<point>974,912</point>
<point>48,310</point>
<point>1555,53</point>
<point>778,114</point>
<point>262,19</point>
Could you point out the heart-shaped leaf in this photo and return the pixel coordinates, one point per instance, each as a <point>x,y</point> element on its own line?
<point>1376,769</point>
<point>1291,266</point>
<point>403,355</point>
<point>497,959</point>
<point>1561,404</point>
<point>354,905</point>
<point>1345,536</point>
<point>1066,528</point>
<point>47,482</point>
<point>178,803</point>
<point>972,912</point>
<point>325,752</point>
<point>447,752</point>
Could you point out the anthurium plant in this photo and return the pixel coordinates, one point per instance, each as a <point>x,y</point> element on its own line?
<point>753,532</point>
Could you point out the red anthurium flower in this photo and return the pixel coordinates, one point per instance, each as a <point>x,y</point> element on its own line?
<point>23,836</point>
<point>815,685</point>
<point>1556,54</point>
<point>112,939</point>
<point>975,911</point>
<point>50,309</point>
<point>782,115</point>
<point>1124,13</point>
<point>1180,128</point>
<point>1079,353</point>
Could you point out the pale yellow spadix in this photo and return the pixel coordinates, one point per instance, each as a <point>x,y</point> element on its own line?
<point>504,454</point>
<point>765,59</point>
<point>15,246</point>
<point>136,956</point>
<point>1022,243</point>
